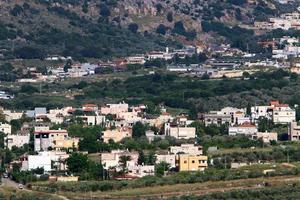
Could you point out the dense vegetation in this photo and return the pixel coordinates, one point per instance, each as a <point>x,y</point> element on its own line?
<point>283,192</point>
<point>178,178</point>
<point>171,90</point>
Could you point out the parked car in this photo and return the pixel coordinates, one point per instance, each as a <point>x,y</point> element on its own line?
<point>21,187</point>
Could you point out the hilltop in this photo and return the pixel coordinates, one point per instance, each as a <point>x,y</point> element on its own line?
<point>105,28</point>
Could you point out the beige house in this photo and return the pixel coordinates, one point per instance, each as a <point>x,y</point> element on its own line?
<point>16,140</point>
<point>180,132</point>
<point>112,159</point>
<point>114,109</point>
<point>294,131</point>
<point>266,137</point>
<point>168,158</point>
<point>117,134</point>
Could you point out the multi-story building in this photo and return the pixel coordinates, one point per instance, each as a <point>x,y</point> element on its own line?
<point>214,117</point>
<point>283,114</point>
<point>278,113</point>
<point>294,131</point>
<point>191,162</point>
<point>56,139</point>
<point>190,149</point>
<point>180,132</point>
<point>17,140</point>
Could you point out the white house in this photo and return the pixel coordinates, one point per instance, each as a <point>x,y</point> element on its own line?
<point>5,128</point>
<point>46,160</point>
<point>243,129</point>
<point>189,149</point>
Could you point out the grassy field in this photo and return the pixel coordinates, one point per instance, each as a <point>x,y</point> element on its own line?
<point>198,189</point>
<point>11,193</point>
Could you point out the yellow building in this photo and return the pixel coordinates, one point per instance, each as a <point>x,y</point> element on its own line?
<point>191,163</point>
<point>66,143</point>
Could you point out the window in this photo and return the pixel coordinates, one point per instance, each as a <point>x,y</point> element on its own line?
<point>193,161</point>
<point>185,162</point>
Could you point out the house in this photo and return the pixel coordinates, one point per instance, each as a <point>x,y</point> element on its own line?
<point>56,139</point>
<point>9,115</point>
<point>5,128</point>
<point>214,117</point>
<point>294,131</point>
<point>92,120</point>
<point>243,129</point>
<point>260,111</point>
<point>191,162</point>
<point>168,158</point>
<point>189,149</point>
<point>283,114</point>
<point>48,160</point>
<point>17,140</point>
<point>227,115</point>
<point>141,170</point>
<point>151,136</point>
<point>266,137</point>
<point>180,132</point>
<point>90,107</point>
<point>136,60</point>
<point>117,134</point>
<point>277,112</point>
<point>112,159</point>
<point>114,109</point>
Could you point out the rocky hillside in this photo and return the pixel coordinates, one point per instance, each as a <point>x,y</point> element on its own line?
<point>103,28</point>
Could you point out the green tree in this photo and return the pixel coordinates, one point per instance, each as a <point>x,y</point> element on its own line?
<point>123,162</point>
<point>138,130</point>
<point>142,158</point>
<point>77,163</point>
<point>161,168</point>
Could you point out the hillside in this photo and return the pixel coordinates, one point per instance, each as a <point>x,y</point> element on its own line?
<point>105,28</point>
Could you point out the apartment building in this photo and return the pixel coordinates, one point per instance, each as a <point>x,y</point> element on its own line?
<point>191,162</point>
<point>56,139</point>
